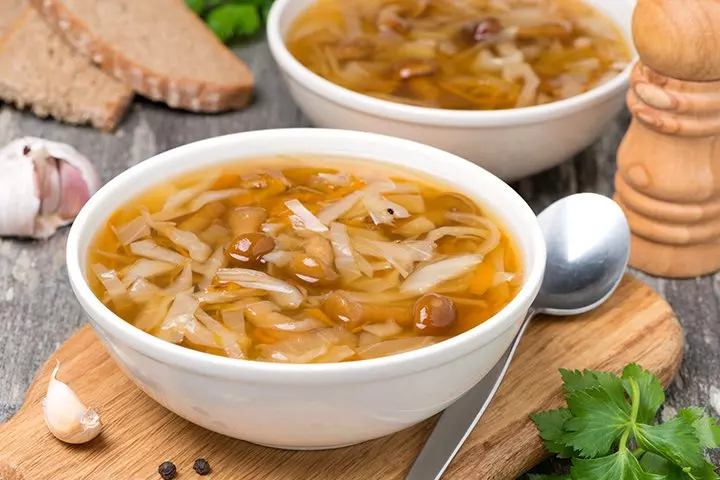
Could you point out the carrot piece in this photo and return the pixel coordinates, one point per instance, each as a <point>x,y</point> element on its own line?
<point>484,274</point>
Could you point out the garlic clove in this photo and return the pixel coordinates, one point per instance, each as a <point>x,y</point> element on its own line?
<point>18,203</point>
<point>74,190</point>
<point>47,174</point>
<point>66,416</point>
<point>43,186</point>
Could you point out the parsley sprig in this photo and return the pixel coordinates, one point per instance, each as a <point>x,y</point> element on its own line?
<point>232,19</point>
<point>608,430</point>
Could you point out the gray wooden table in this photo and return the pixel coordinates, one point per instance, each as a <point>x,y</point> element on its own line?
<point>38,311</point>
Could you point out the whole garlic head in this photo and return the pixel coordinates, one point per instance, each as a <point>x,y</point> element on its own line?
<point>66,416</point>
<point>43,186</point>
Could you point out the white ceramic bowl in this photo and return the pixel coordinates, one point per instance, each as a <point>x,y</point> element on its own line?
<point>509,143</point>
<point>308,406</point>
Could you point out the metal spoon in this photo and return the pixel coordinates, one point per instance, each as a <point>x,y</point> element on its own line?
<point>588,245</point>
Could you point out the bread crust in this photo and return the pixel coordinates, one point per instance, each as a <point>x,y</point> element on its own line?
<point>181,93</point>
<point>105,117</point>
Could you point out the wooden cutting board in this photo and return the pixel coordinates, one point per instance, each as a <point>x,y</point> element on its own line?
<point>634,325</point>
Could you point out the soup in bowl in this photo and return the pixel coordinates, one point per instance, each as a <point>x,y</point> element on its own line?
<point>336,282</point>
<point>514,86</point>
<point>463,54</point>
<point>298,259</point>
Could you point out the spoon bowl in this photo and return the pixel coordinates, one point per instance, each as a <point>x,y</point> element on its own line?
<point>588,247</point>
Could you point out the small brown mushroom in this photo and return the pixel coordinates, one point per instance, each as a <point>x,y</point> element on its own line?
<point>343,310</point>
<point>246,219</point>
<point>434,315</point>
<point>414,67</point>
<point>248,249</point>
<point>311,270</point>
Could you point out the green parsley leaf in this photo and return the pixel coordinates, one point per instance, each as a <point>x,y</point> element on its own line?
<point>691,414</point>
<point>597,423</point>
<point>652,395</point>
<point>674,440</point>
<point>550,425</point>
<point>658,465</point>
<point>621,465</point>
<point>230,21</point>
<point>707,431</point>
<point>667,470</point>
<point>197,6</point>
<point>608,429</point>
<point>575,380</point>
<point>707,472</point>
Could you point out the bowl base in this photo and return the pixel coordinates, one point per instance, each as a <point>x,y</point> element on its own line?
<point>288,447</point>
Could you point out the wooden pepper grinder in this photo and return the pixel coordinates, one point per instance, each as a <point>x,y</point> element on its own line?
<point>668,179</point>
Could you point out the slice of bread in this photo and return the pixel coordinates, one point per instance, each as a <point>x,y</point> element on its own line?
<point>38,70</point>
<point>159,48</point>
<point>9,11</point>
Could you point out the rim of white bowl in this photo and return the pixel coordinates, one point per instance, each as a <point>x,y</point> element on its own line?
<point>432,116</point>
<point>300,374</point>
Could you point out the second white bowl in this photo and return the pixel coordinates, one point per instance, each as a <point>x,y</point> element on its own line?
<point>509,143</point>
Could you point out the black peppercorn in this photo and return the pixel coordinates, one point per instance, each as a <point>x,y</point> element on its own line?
<point>201,466</point>
<point>167,470</point>
<point>26,150</point>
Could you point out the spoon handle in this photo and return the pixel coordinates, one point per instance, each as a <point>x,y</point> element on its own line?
<point>459,419</point>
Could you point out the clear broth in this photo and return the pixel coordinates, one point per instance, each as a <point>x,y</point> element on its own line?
<point>460,54</point>
<point>346,313</point>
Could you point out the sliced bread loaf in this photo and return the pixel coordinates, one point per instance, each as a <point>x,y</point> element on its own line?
<point>38,70</point>
<point>160,48</point>
<point>9,11</point>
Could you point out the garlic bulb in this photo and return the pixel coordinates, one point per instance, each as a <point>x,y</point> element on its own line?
<point>43,186</point>
<point>66,416</point>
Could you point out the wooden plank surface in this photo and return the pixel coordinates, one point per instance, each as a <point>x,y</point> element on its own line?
<point>38,310</point>
<point>139,434</point>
